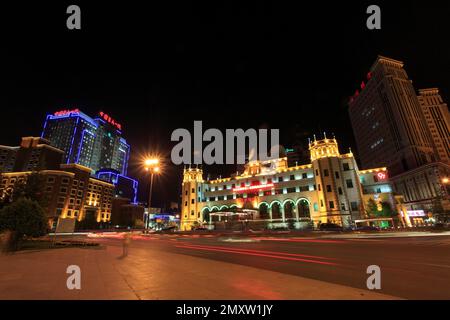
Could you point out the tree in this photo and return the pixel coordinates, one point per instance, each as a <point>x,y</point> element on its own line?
<point>381,210</point>
<point>32,188</point>
<point>23,217</point>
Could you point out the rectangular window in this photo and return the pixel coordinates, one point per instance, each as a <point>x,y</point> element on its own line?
<point>349,183</point>
<point>290,190</point>
<point>192,201</point>
<point>354,206</point>
<point>318,186</point>
<point>292,177</point>
<point>346,166</point>
<point>328,188</point>
<point>337,174</point>
<point>304,176</point>
<point>326,173</point>
<point>280,179</point>
<point>317,172</point>
<point>331,203</point>
<point>340,190</point>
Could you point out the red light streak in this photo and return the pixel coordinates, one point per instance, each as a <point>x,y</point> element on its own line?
<point>257,254</point>
<point>301,240</point>
<point>262,251</point>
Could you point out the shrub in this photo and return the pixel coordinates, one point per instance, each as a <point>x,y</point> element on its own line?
<point>24,217</point>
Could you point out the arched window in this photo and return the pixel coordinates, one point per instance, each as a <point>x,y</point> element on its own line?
<point>303,209</point>
<point>276,210</point>
<point>264,211</point>
<point>289,209</point>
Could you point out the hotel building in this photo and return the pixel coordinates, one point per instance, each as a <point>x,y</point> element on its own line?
<point>408,134</point>
<point>70,190</point>
<point>96,143</point>
<point>271,194</point>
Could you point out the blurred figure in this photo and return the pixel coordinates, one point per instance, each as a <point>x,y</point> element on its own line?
<point>126,244</point>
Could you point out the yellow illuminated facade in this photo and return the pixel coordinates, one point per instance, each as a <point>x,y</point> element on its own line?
<point>70,192</point>
<point>270,194</point>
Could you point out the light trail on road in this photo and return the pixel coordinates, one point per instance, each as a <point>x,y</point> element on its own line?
<point>275,255</point>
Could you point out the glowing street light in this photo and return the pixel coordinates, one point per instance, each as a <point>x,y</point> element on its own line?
<point>152,166</point>
<point>445,180</point>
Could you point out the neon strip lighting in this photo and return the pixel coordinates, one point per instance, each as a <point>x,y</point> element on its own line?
<point>117,175</point>
<point>254,188</point>
<point>82,144</point>
<point>70,115</point>
<point>73,138</point>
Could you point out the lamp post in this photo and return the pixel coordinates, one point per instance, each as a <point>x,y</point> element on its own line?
<point>151,166</point>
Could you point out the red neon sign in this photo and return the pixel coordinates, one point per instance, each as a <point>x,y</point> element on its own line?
<point>254,188</point>
<point>66,112</point>
<point>110,120</point>
<point>381,175</point>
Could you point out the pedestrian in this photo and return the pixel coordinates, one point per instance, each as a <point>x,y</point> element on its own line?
<point>126,243</point>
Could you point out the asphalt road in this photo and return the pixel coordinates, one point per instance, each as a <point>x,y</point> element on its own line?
<point>411,267</point>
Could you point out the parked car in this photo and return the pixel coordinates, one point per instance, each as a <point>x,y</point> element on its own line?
<point>330,227</point>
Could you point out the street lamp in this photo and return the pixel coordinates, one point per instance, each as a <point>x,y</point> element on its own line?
<point>151,166</point>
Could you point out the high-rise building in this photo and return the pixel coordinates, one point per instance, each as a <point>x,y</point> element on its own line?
<point>388,122</point>
<point>393,127</point>
<point>96,143</point>
<point>438,121</point>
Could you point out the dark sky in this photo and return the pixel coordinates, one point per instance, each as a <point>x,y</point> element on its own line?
<point>157,68</point>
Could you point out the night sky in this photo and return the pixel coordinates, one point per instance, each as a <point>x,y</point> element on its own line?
<point>156,68</point>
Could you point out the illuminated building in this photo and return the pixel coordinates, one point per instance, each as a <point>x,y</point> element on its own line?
<point>70,192</point>
<point>96,143</point>
<point>33,154</point>
<point>408,134</point>
<point>125,187</point>
<point>271,194</point>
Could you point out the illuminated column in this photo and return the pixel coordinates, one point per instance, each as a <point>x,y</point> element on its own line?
<point>282,213</point>
<point>269,210</point>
